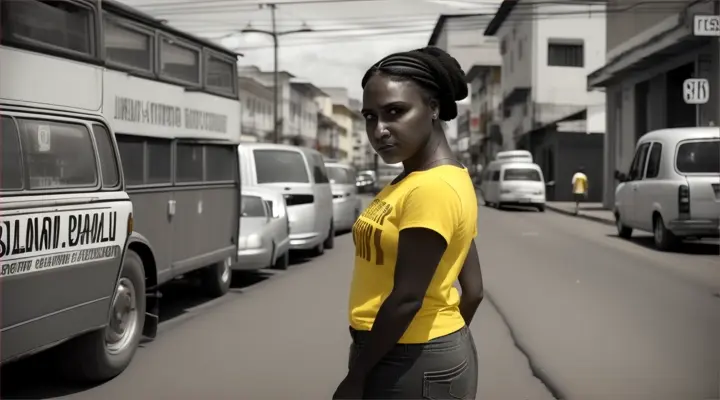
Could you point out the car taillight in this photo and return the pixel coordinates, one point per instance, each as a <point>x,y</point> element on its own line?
<point>684,201</point>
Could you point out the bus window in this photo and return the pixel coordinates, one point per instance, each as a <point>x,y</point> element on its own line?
<point>58,154</point>
<point>159,161</point>
<point>133,159</point>
<point>108,164</point>
<point>220,163</point>
<point>11,177</point>
<point>189,163</point>
<point>273,166</point>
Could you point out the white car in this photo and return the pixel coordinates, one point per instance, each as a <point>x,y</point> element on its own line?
<point>298,173</point>
<point>673,186</point>
<point>346,202</point>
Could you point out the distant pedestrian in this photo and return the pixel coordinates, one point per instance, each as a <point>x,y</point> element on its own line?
<point>579,187</point>
<point>408,322</point>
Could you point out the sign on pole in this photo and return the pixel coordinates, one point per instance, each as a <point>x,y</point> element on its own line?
<point>696,91</point>
<point>706,25</point>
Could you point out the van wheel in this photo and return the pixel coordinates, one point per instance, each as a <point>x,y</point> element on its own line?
<point>319,250</point>
<point>330,241</point>
<point>103,354</point>
<point>216,279</point>
<point>664,239</point>
<point>282,262</point>
<point>541,208</point>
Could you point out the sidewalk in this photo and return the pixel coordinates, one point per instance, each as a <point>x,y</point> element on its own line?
<point>590,211</point>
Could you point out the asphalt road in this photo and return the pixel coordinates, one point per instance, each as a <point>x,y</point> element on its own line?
<point>591,315</point>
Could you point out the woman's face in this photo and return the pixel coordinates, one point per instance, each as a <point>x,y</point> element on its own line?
<point>398,121</point>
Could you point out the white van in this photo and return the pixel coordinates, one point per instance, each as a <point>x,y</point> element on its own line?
<point>299,174</point>
<point>514,183</point>
<point>673,186</point>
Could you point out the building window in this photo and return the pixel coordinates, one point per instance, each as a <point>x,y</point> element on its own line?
<point>128,46</point>
<point>566,55</point>
<point>179,61</point>
<point>60,25</point>
<point>220,74</point>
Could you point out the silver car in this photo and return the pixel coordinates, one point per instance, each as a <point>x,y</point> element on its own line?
<point>346,202</point>
<point>264,238</point>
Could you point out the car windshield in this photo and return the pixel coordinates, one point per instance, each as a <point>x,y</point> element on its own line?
<point>340,175</point>
<point>280,166</point>
<point>699,157</point>
<point>521,174</point>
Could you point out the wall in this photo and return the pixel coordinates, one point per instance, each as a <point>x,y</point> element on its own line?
<point>343,116</point>
<point>567,85</point>
<point>638,17</point>
<point>302,116</point>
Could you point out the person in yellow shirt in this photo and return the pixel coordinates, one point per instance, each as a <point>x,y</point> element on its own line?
<point>408,323</point>
<point>580,188</point>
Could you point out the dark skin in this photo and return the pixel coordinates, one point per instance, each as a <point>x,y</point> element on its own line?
<point>402,126</point>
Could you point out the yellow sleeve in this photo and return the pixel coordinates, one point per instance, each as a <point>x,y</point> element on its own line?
<point>434,205</point>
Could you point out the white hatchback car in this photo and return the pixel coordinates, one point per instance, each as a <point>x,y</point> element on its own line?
<point>673,186</point>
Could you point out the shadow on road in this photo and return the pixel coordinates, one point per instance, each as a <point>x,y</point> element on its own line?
<point>691,247</point>
<point>39,376</point>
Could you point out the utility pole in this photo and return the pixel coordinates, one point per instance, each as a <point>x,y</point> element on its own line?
<point>276,71</point>
<point>276,89</point>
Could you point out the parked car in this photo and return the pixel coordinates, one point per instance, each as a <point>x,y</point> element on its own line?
<point>508,182</point>
<point>299,174</point>
<point>272,228</point>
<point>673,186</point>
<point>346,202</point>
<point>364,182</point>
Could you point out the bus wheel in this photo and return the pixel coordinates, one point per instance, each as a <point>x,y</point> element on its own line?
<point>216,278</point>
<point>103,354</point>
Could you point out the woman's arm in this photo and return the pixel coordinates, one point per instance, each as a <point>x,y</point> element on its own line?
<point>471,283</point>
<point>419,253</point>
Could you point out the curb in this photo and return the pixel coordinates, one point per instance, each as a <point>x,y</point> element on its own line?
<point>581,215</point>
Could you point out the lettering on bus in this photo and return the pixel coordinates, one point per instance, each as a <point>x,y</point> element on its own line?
<point>39,241</point>
<point>147,112</point>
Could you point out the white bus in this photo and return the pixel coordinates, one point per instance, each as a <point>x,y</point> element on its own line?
<point>89,89</point>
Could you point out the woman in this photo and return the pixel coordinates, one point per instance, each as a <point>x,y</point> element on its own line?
<point>407,321</point>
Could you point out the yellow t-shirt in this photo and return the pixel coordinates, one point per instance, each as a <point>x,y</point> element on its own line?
<point>441,199</point>
<point>579,182</point>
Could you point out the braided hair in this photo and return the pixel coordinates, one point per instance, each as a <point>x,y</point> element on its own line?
<point>433,69</point>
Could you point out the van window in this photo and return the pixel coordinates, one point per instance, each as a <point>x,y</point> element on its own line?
<point>280,166</point>
<point>341,175</point>
<point>318,167</point>
<point>521,174</point>
<point>57,154</point>
<point>252,206</point>
<point>108,162</point>
<point>11,176</point>
<point>699,157</point>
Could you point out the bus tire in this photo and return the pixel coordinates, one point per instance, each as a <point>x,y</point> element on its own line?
<point>103,354</point>
<point>216,279</point>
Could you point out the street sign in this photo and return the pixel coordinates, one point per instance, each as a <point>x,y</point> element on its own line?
<point>696,91</point>
<point>706,25</point>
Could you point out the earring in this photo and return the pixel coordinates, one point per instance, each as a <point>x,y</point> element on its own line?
<point>434,116</point>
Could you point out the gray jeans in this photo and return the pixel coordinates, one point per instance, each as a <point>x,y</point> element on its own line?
<point>444,368</point>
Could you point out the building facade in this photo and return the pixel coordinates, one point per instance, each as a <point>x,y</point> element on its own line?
<point>651,50</point>
<point>347,117</point>
<point>460,35</point>
<point>256,118</point>
<point>485,112</point>
<point>329,131</point>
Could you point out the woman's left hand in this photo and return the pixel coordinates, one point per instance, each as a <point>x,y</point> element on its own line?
<point>350,388</point>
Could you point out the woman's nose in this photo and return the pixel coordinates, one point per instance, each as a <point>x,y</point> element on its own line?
<point>381,131</point>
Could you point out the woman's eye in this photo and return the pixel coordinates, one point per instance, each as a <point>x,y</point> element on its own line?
<point>394,111</point>
<point>368,117</point>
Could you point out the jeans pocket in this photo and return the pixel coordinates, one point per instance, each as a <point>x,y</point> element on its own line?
<point>449,384</point>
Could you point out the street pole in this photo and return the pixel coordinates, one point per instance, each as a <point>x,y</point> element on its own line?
<point>276,89</point>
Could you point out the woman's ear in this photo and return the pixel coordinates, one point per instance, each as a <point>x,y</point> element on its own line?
<point>434,109</point>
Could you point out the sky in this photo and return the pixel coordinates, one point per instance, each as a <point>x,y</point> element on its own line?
<point>347,36</point>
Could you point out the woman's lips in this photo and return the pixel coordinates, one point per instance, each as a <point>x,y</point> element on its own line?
<point>385,147</point>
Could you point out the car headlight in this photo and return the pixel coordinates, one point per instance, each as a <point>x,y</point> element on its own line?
<point>253,241</point>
